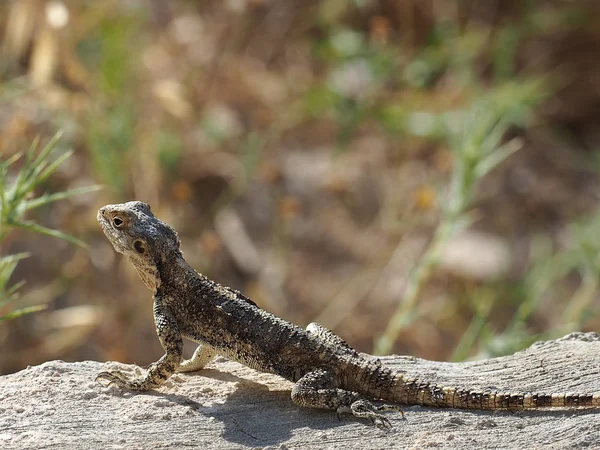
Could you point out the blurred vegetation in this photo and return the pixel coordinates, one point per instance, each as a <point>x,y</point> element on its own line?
<point>420,177</point>
<point>16,199</point>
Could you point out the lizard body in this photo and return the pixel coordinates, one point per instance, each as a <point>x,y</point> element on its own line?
<point>327,372</point>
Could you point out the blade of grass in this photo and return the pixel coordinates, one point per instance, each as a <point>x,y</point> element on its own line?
<point>15,287</point>
<point>32,226</point>
<point>25,171</point>
<point>7,266</point>
<point>5,260</point>
<point>43,172</point>
<point>497,156</point>
<point>21,312</point>
<point>13,159</point>
<point>47,149</point>
<point>49,198</point>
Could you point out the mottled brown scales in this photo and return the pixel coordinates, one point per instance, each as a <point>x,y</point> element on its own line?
<point>328,373</point>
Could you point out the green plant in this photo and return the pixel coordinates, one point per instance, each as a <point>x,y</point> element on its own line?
<point>550,268</point>
<point>17,197</point>
<point>475,137</point>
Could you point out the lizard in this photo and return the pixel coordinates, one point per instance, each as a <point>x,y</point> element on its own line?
<point>327,372</point>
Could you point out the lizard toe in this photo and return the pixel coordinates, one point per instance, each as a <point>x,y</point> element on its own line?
<point>112,377</point>
<point>121,380</point>
<point>365,409</point>
<point>391,408</point>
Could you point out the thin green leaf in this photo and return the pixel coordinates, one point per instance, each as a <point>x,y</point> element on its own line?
<point>47,148</point>
<point>22,312</point>
<point>11,294</point>
<point>32,226</point>
<point>15,287</point>
<point>13,159</point>
<point>5,260</point>
<point>7,267</point>
<point>32,148</point>
<point>38,170</point>
<point>8,264</point>
<point>3,176</point>
<point>42,173</point>
<point>14,191</point>
<point>494,135</point>
<point>49,198</point>
<point>497,156</point>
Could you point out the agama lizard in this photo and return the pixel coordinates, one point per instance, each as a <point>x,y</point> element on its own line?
<point>327,372</point>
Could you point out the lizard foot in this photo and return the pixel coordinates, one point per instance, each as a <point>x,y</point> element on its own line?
<point>364,408</point>
<point>190,365</point>
<point>119,379</point>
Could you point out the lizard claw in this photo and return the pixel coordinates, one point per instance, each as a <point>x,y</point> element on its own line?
<point>391,408</point>
<point>112,377</point>
<point>119,379</point>
<point>364,408</point>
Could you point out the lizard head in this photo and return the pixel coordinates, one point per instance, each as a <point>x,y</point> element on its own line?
<point>135,232</point>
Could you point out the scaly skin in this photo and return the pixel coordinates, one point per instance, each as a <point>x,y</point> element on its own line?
<point>328,373</point>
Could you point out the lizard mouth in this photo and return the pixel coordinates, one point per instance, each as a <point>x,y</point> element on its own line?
<point>102,220</point>
<point>106,228</point>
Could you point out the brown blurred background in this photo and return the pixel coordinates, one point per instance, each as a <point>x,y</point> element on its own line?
<point>296,148</point>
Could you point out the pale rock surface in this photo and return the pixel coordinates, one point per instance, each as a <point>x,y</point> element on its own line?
<point>57,405</point>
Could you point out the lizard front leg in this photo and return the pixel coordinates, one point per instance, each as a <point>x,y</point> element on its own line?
<point>158,372</point>
<point>317,389</point>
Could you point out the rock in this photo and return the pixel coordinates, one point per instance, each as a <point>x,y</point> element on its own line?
<point>58,405</point>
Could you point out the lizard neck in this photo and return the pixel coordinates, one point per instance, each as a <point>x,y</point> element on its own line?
<point>163,269</point>
<point>174,271</point>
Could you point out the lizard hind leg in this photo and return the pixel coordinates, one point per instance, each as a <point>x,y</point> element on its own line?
<point>317,389</point>
<point>202,356</point>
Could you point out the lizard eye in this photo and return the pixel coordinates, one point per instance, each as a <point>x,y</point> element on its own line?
<point>117,221</point>
<point>139,247</point>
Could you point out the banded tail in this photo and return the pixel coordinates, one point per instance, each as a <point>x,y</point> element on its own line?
<point>382,383</point>
<point>416,392</point>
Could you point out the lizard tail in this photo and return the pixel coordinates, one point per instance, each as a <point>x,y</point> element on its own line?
<point>416,392</point>
<point>380,382</point>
